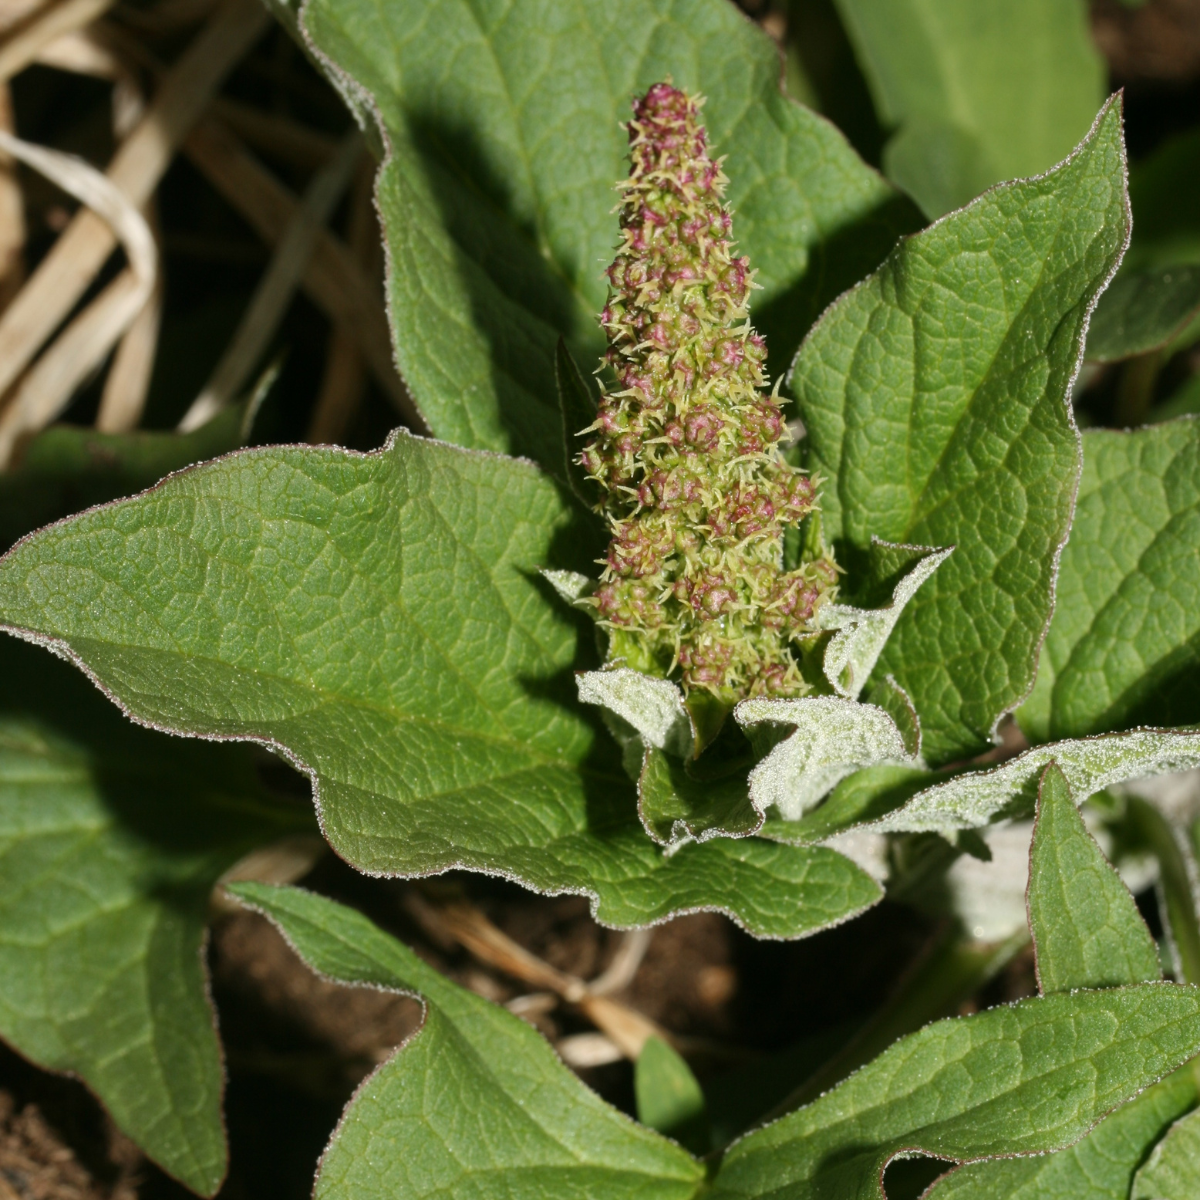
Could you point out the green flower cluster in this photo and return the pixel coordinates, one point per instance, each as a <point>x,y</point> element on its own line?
<point>686,441</point>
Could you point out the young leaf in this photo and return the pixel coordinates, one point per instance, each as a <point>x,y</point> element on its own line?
<point>1173,1170</point>
<point>668,1097</point>
<point>111,839</point>
<point>674,807</point>
<point>1090,764</point>
<point>983,92</point>
<point>935,396</point>
<point>476,1103</point>
<point>862,633</point>
<point>1025,1079</point>
<point>1143,311</point>
<point>833,738</point>
<point>1087,931</point>
<point>1101,1167</point>
<point>504,140</point>
<point>1124,645</point>
<point>380,617</point>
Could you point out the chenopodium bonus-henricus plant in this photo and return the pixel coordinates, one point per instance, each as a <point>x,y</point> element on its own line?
<point>686,446</point>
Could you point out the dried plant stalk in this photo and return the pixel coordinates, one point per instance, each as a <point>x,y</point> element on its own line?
<point>128,382</point>
<point>26,41</point>
<point>281,137</point>
<point>12,213</point>
<point>627,1028</point>
<point>333,281</point>
<point>345,379</point>
<point>277,286</point>
<point>65,273</point>
<point>48,388</point>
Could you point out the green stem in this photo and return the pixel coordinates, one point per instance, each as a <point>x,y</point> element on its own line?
<point>1175,884</point>
<point>949,971</point>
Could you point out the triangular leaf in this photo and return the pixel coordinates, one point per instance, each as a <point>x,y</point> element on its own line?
<point>936,398</point>
<point>476,1103</point>
<point>381,618</point>
<point>1101,1167</point>
<point>111,839</point>
<point>1124,646</point>
<point>504,145</point>
<point>1087,931</point>
<point>1023,1079</point>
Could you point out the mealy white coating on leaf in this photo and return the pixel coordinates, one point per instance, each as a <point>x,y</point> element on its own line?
<point>1090,765</point>
<point>862,633</point>
<point>654,707</point>
<point>834,737</point>
<point>572,586</point>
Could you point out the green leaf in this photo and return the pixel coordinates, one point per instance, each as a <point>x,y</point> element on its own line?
<point>502,123</point>
<point>111,838</point>
<point>1101,1167</point>
<point>1173,1170</point>
<point>935,396</point>
<point>980,92</point>
<point>1124,646</point>
<point>675,807</point>
<point>476,1103</point>
<point>1022,1079</point>
<point>974,798</point>
<point>1166,229</point>
<point>381,619</point>
<point>577,409</point>
<point>668,1097</point>
<point>1087,931</point>
<point>1143,311</point>
<point>862,633</point>
<point>68,468</point>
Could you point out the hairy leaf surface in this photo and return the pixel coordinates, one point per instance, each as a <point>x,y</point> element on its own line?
<point>1087,931</point>
<point>973,798</point>
<point>476,1103</point>
<point>381,619</point>
<point>504,144</point>
<point>1101,1167</point>
<point>111,838</point>
<point>980,92</point>
<point>1173,1172</point>
<point>1124,646</point>
<point>1023,1079</point>
<point>936,400</point>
